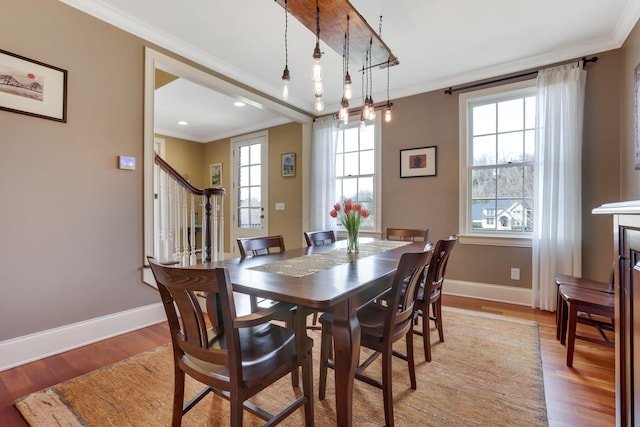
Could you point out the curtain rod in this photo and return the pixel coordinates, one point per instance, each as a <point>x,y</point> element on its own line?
<point>450,90</point>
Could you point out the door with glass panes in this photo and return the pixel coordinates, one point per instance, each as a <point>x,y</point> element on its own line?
<point>249,195</point>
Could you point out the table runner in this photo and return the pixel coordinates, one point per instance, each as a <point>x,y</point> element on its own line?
<point>309,264</point>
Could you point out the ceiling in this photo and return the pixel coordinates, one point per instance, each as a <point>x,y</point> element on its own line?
<point>439,43</point>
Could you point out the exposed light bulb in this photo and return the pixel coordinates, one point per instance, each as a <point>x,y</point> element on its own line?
<point>285,83</point>
<point>347,92</point>
<point>363,124</point>
<point>372,110</point>
<point>319,104</point>
<point>318,88</point>
<point>344,111</point>
<point>387,113</point>
<point>317,67</point>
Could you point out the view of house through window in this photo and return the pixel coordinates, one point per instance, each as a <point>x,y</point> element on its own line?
<point>501,131</point>
<point>356,168</point>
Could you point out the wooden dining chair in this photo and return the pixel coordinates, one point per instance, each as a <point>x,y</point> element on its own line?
<point>583,283</point>
<point>429,301</point>
<point>585,306</point>
<point>408,234</point>
<point>382,323</point>
<point>255,246</point>
<point>319,238</point>
<point>264,245</point>
<point>236,358</point>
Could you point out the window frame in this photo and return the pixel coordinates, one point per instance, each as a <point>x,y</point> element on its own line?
<point>377,177</point>
<point>467,234</point>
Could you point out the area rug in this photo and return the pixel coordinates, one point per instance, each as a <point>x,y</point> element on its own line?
<point>487,372</point>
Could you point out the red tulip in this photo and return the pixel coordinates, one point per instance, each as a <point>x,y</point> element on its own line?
<point>365,213</point>
<point>333,213</point>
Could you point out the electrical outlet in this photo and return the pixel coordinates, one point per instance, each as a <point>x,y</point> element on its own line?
<point>515,274</point>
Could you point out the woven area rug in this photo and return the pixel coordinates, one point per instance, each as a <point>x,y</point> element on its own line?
<point>487,372</point>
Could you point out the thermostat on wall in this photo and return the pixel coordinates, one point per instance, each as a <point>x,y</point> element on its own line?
<point>126,162</point>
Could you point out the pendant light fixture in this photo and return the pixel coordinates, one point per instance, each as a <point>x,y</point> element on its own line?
<point>347,91</point>
<point>318,86</point>
<point>371,112</point>
<point>343,114</point>
<point>387,108</point>
<point>365,106</point>
<point>286,77</point>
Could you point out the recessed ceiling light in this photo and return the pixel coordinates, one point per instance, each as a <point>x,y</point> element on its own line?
<point>239,104</point>
<point>182,123</point>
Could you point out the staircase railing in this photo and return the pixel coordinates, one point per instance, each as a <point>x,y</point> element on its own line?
<point>181,212</point>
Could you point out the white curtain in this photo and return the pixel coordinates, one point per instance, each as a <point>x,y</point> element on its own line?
<point>557,241</point>
<point>323,176</point>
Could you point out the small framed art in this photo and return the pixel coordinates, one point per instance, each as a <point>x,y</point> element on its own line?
<point>417,162</point>
<point>289,164</point>
<point>215,175</point>
<point>32,88</point>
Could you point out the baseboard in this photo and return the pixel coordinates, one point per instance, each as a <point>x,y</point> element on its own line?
<point>25,349</point>
<point>485,291</point>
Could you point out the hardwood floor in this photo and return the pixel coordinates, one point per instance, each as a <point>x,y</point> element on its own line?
<point>580,396</point>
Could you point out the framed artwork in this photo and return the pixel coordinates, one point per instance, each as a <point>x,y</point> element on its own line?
<point>215,175</point>
<point>289,164</point>
<point>32,88</point>
<point>417,162</point>
<point>637,117</point>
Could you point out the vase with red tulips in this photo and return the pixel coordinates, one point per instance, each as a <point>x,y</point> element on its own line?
<point>350,215</point>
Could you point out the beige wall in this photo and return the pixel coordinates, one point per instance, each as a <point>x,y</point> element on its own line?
<point>288,190</point>
<point>630,185</point>
<point>71,222</point>
<point>186,158</point>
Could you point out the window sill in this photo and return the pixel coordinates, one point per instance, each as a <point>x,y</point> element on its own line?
<point>511,240</point>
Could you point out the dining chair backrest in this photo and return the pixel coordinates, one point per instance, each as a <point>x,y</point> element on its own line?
<point>319,238</point>
<point>408,234</point>
<point>260,245</point>
<point>404,289</point>
<point>438,267</point>
<point>179,288</point>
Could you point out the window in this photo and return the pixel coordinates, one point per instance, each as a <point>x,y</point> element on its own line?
<point>497,150</point>
<point>357,167</point>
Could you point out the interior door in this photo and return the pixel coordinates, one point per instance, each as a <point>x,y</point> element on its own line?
<point>249,195</point>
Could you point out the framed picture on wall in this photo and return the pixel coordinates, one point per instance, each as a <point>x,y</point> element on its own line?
<point>417,162</point>
<point>215,175</point>
<point>289,164</point>
<point>32,88</point>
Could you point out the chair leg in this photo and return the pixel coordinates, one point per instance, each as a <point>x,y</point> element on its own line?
<point>426,334</point>
<point>289,324</point>
<point>178,396</point>
<point>387,393</point>
<point>564,314</point>
<point>307,389</point>
<point>410,360</point>
<point>437,310</point>
<point>571,340</point>
<point>325,349</point>
<point>237,409</point>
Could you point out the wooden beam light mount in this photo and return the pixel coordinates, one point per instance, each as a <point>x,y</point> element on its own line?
<point>333,26</point>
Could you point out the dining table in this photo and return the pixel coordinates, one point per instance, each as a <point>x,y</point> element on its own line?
<point>326,278</point>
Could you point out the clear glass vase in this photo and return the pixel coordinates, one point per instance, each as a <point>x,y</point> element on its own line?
<point>352,241</point>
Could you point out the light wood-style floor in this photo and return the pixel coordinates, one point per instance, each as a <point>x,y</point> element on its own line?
<point>580,396</point>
